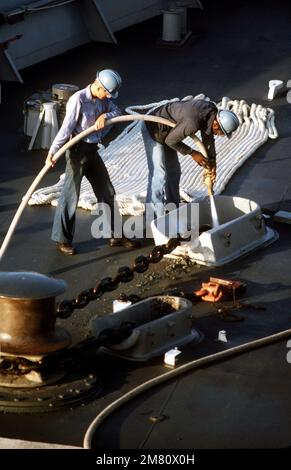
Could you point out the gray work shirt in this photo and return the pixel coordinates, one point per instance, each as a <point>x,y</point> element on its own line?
<point>190,117</point>
<point>81,112</point>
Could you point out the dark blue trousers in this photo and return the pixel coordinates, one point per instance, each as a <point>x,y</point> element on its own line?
<point>82,160</point>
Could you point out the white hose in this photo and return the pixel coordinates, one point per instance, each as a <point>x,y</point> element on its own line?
<point>87,443</point>
<point>68,145</point>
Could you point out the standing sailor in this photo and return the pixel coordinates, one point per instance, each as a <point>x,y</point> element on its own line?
<point>90,105</point>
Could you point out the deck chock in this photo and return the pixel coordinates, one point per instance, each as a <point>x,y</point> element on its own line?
<point>161,323</point>
<point>242,229</point>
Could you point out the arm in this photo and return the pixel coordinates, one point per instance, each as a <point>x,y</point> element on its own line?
<point>179,133</point>
<point>68,125</point>
<point>111,112</point>
<point>209,144</point>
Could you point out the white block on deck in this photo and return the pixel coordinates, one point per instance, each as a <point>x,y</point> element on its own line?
<point>274,87</point>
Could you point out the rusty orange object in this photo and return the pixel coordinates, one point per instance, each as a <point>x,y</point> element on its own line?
<point>210,292</point>
<point>218,289</point>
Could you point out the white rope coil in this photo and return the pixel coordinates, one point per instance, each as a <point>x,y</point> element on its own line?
<point>126,161</point>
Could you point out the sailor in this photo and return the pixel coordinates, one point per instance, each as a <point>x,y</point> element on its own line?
<point>90,105</point>
<point>163,142</point>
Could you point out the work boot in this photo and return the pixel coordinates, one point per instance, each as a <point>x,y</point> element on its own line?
<point>66,248</point>
<point>126,242</point>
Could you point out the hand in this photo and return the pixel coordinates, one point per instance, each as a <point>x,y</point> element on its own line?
<point>200,159</point>
<point>49,160</point>
<point>213,174</point>
<point>100,122</point>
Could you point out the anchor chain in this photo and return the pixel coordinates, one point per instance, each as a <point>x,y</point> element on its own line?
<point>108,284</point>
<point>21,366</point>
<point>17,366</point>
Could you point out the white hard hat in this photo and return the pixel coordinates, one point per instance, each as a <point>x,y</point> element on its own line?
<point>228,121</point>
<point>110,80</point>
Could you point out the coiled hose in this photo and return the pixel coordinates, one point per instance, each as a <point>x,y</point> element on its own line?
<point>70,144</point>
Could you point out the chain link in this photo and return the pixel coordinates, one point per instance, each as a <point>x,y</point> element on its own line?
<point>17,366</point>
<point>108,284</point>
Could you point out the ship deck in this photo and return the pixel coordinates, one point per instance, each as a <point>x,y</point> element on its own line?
<point>241,402</point>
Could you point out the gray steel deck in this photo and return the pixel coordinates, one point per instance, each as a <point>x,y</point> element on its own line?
<point>244,401</point>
